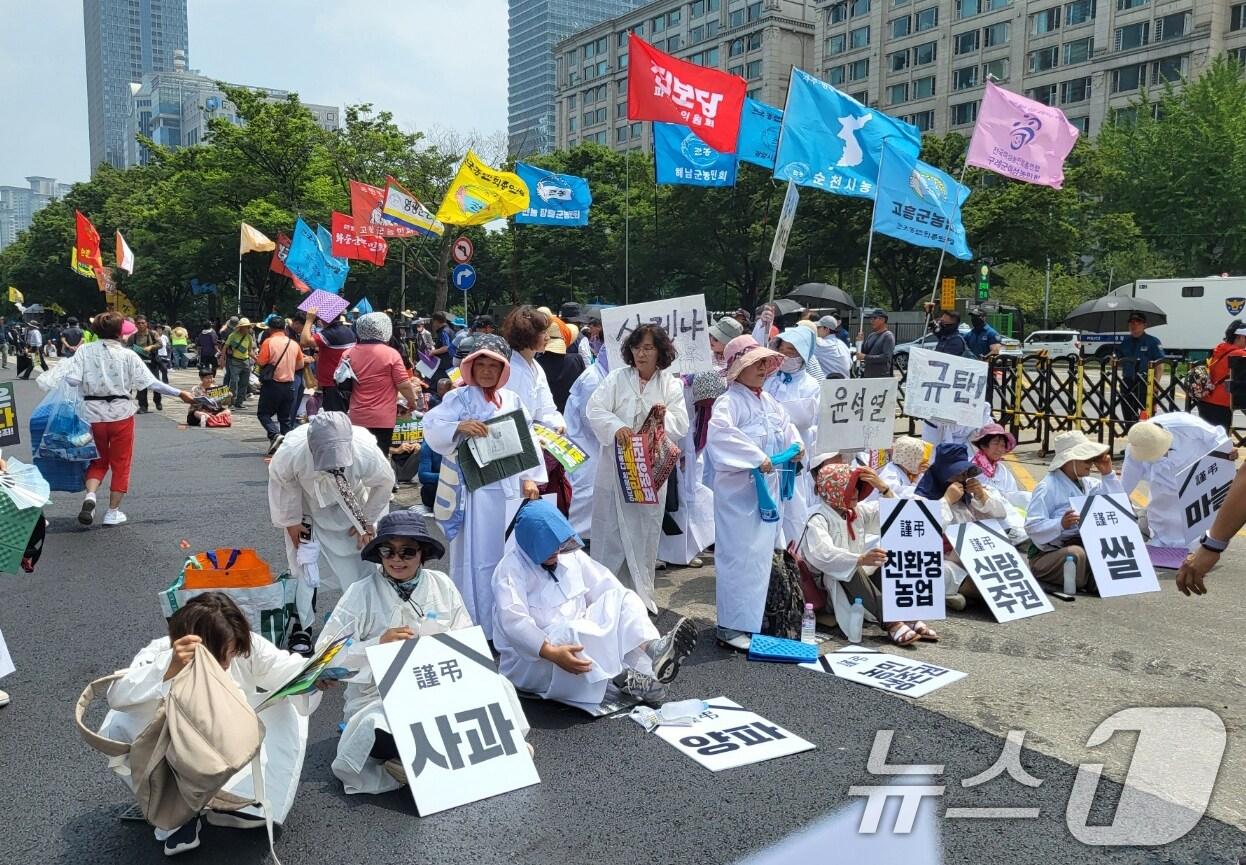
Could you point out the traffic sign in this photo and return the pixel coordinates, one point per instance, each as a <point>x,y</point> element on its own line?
<point>984,282</point>
<point>463,250</point>
<point>463,276</point>
<point>947,299</point>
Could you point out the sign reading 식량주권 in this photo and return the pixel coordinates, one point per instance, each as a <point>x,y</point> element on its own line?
<point>1000,573</point>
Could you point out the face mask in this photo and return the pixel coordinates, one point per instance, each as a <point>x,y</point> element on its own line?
<point>791,364</point>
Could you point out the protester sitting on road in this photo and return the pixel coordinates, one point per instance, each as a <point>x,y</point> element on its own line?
<point>1050,522</point>
<point>399,600</point>
<point>197,414</point>
<point>429,472</point>
<point>106,373</point>
<point>910,457</point>
<point>1159,452</point>
<point>832,542</point>
<point>722,332</point>
<point>566,628</point>
<point>213,620</point>
<point>747,428</point>
<point>799,392</point>
<point>992,444</point>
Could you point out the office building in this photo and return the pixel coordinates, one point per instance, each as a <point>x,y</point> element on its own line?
<point>124,40</point>
<point>927,61</point>
<point>19,204</point>
<point>759,41</point>
<point>534,27</point>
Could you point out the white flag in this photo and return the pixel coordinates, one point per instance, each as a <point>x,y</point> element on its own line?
<point>125,258</point>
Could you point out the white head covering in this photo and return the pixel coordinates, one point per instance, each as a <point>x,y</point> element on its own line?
<point>329,437</point>
<point>374,325</point>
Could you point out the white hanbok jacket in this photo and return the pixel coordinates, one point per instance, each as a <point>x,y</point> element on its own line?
<point>827,547</point>
<point>625,536</point>
<point>897,480</point>
<point>134,699</point>
<point>1005,483</point>
<point>369,608</point>
<point>477,548</point>
<point>799,397</point>
<point>744,430</point>
<point>529,382</point>
<point>1050,501</point>
<point>695,516</point>
<point>579,431</point>
<point>580,603</point>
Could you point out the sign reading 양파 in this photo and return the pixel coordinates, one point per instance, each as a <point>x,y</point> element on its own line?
<point>683,319</point>
<point>1114,545</point>
<point>1000,573</point>
<point>856,414</point>
<point>912,576</point>
<point>456,728</point>
<point>10,429</point>
<point>945,387</point>
<point>727,735</point>
<point>1202,492</point>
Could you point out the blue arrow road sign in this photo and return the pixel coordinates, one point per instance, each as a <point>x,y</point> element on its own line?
<point>464,276</point>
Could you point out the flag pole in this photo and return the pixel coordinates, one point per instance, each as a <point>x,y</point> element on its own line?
<point>942,252</point>
<point>239,282</point>
<point>869,245</point>
<point>627,225</point>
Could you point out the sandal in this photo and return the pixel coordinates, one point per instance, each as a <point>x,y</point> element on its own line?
<point>901,634</point>
<point>925,632</point>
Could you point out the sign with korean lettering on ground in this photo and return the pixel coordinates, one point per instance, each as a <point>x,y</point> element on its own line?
<point>945,387</point>
<point>683,319</point>
<point>912,576</point>
<point>1202,492</point>
<point>456,727</point>
<point>1000,573</point>
<point>856,414</point>
<point>727,735</point>
<point>10,429</point>
<point>1114,546</point>
<point>911,677</point>
<point>787,216</point>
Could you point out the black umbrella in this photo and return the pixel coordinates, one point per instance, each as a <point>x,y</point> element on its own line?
<point>1110,314</point>
<point>785,306</point>
<point>819,295</point>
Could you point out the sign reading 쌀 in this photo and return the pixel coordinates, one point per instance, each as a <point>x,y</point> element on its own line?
<point>856,414</point>
<point>1114,545</point>
<point>683,319</point>
<point>945,387</point>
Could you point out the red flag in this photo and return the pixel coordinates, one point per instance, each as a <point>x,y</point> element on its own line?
<point>662,87</point>
<point>366,203</point>
<point>88,243</point>
<point>348,242</point>
<point>278,264</point>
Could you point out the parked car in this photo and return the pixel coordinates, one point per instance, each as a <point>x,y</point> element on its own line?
<point>1057,343</point>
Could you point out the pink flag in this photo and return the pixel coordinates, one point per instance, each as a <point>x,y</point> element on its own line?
<point>1021,138</point>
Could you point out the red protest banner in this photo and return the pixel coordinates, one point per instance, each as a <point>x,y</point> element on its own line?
<point>278,264</point>
<point>665,88</point>
<point>366,204</point>
<point>348,242</point>
<point>88,243</point>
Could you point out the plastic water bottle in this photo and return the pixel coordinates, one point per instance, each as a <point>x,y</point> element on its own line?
<point>808,626</point>
<point>856,621</point>
<point>1070,576</point>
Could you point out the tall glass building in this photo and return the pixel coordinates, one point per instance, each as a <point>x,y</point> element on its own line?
<point>535,27</point>
<point>124,39</point>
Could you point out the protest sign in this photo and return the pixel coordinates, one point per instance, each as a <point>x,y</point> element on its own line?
<point>645,462</point>
<point>1001,574</point>
<point>727,735</point>
<point>856,414</point>
<point>317,668</point>
<point>568,454</point>
<point>10,430</point>
<point>1114,545</point>
<point>456,728</point>
<point>409,431</point>
<point>945,387</point>
<point>223,394</point>
<point>1203,489</point>
<point>913,573</point>
<point>907,676</point>
<point>683,319</point>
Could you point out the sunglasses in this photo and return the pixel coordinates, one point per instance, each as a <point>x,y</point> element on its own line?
<point>404,553</point>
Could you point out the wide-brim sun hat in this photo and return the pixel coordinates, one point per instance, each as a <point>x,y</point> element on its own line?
<point>403,525</point>
<point>743,351</point>
<point>1148,441</point>
<point>1073,445</point>
<point>726,329</point>
<point>994,429</point>
<point>492,346</point>
<point>243,322</point>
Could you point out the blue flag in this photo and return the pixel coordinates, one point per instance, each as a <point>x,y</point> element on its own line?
<point>831,141</point>
<point>682,158</point>
<point>554,199</point>
<point>197,287</point>
<point>759,133</point>
<point>310,261</point>
<point>363,307</point>
<point>919,204</point>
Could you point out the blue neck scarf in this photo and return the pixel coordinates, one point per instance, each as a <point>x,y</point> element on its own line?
<point>787,485</point>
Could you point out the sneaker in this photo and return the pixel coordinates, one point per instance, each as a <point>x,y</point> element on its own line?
<point>956,602</point>
<point>185,838</point>
<point>670,651</point>
<point>696,562</point>
<point>234,819</point>
<point>275,443</point>
<point>112,517</point>
<point>396,770</point>
<point>738,640</point>
<point>300,643</point>
<point>644,688</point>
<point>86,516</point>
<point>4,698</point>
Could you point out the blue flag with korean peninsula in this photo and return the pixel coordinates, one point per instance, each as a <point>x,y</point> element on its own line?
<point>759,133</point>
<point>832,142</point>
<point>310,261</point>
<point>920,204</point>
<point>684,159</point>
<point>553,199</point>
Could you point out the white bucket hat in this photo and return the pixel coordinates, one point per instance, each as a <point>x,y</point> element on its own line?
<point>1148,441</point>
<point>1074,445</point>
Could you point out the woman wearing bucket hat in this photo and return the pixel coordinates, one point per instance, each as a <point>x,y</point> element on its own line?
<point>722,332</point>
<point>992,444</point>
<point>748,426</point>
<point>798,391</point>
<point>1050,521</point>
<point>1160,452</point>
<point>476,521</point>
<point>625,534</point>
<point>399,600</point>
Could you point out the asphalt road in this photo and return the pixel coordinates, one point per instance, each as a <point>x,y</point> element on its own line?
<point>610,793</point>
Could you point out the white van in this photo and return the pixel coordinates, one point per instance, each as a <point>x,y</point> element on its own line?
<point>1057,343</point>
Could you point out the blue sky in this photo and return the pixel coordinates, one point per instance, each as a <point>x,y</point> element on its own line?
<point>433,63</point>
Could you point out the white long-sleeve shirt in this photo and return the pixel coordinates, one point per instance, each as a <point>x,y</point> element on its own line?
<point>105,368</point>
<point>1050,501</point>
